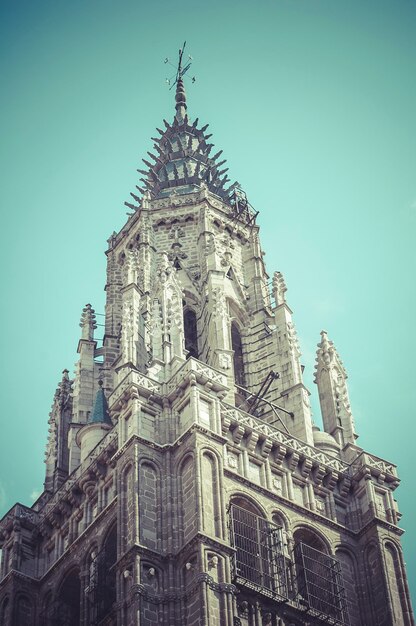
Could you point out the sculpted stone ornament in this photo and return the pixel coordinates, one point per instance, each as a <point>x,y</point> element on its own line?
<point>131,266</point>
<point>224,361</point>
<point>220,305</point>
<point>129,331</point>
<point>293,339</point>
<point>279,288</point>
<point>88,323</point>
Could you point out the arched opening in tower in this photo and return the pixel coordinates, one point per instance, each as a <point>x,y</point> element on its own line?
<point>191,333</point>
<point>237,347</point>
<point>69,599</point>
<point>319,582</point>
<point>107,576</point>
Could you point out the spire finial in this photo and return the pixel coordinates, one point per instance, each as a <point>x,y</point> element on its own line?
<point>180,96</point>
<point>88,323</point>
<point>279,288</point>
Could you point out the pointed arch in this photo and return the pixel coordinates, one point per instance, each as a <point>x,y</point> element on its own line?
<point>350,575</point>
<point>211,506</point>
<point>69,598</point>
<point>106,574</point>
<point>397,584</point>
<point>311,538</point>
<point>149,498</point>
<point>247,503</point>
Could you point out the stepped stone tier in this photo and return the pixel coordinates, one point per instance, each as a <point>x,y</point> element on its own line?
<point>186,483</point>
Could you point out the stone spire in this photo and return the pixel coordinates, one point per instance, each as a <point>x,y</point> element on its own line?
<point>88,323</point>
<point>180,98</point>
<point>331,377</point>
<point>99,414</point>
<point>181,157</point>
<point>294,395</point>
<point>97,426</point>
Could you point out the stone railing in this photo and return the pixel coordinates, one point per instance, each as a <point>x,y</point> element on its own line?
<point>376,465</point>
<point>231,414</point>
<point>21,513</point>
<point>139,380</point>
<point>203,373</point>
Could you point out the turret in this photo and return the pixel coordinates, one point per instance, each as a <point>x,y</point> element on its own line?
<point>83,393</point>
<point>331,378</point>
<point>97,426</point>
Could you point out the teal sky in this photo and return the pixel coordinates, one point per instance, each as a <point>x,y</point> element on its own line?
<point>313,103</point>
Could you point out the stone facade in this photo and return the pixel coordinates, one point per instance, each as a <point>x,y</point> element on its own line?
<point>203,494</point>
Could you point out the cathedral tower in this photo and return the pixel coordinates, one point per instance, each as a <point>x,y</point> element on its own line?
<point>186,483</point>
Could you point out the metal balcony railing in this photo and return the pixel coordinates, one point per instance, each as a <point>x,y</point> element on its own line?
<point>320,587</point>
<point>259,562</point>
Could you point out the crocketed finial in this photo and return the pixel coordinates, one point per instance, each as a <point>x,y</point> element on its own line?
<point>88,323</point>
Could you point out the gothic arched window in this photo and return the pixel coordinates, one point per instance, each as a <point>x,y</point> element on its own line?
<point>237,347</point>
<point>69,599</point>
<point>318,576</point>
<point>191,332</point>
<point>259,558</point>
<point>106,575</point>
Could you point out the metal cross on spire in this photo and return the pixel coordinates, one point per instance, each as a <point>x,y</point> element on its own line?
<point>177,80</point>
<point>180,71</point>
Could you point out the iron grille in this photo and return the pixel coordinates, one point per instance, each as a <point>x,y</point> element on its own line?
<point>101,591</point>
<point>259,562</point>
<point>320,585</point>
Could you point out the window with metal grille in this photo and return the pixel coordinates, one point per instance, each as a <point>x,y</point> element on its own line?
<point>101,590</point>
<point>259,562</point>
<point>320,586</point>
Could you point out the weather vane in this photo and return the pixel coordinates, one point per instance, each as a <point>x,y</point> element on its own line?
<point>180,71</point>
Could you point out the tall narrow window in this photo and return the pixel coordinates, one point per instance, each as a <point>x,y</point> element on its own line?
<point>67,606</point>
<point>237,346</point>
<point>106,576</point>
<point>191,333</point>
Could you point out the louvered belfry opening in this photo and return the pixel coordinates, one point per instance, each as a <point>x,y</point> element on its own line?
<point>259,563</point>
<point>320,585</point>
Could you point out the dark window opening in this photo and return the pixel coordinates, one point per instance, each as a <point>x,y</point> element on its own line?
<point>101,590</point>
<point>107,575</point>
<point>191,333</point>
<point>319,584</point>
<point>237,347</point>
<point>64,608</point>
<point>259,563</point>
